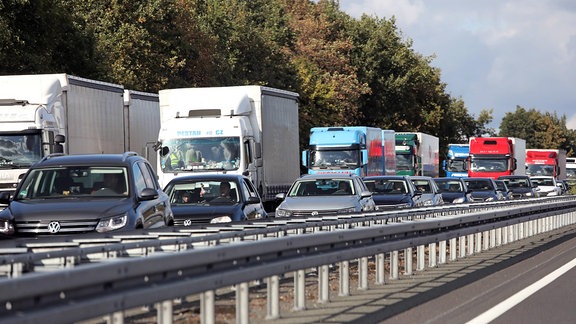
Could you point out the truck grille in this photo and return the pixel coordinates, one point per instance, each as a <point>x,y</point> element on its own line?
<point>56,227</point>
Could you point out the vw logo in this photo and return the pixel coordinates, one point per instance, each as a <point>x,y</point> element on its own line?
<point>54,227</point>
<point>314,213</point>
<point>187,222</point>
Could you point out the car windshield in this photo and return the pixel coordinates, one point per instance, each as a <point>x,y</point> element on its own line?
<point>321,187</point>
<point>543,181</point>
<point>479,185</point>
<point>69,182</point>
<point>449,185</point>
<point>204,192</point>
<point>201,154</point>
<point>517,183</point>
<point>423,186</point>
<point>387,187</point>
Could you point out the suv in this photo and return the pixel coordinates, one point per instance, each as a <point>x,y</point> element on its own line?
<point>63,194</point>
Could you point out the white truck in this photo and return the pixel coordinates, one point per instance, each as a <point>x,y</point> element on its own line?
<point>60,113</point>
<point>250,130</point>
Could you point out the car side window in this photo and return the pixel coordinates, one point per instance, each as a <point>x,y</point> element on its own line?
<point>148,177</point>
<point>139,179</point>
<point>249,190</point>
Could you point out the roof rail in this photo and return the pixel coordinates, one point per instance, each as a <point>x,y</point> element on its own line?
<point>128,154</point>
<point>51,155</point>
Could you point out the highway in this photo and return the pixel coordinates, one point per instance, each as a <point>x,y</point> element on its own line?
<point>471,290</point>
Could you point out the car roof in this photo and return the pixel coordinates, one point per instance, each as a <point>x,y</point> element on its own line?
<point>328,176</point>
<point>87,159</point>
<point>390,177</point>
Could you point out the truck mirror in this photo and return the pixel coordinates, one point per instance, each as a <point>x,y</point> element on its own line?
<point>165,150</point>
<point>59,139</point>
<point>58,148</point>
<point>364,157</point>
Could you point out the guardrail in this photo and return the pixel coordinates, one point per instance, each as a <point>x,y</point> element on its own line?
<point>112,286</point>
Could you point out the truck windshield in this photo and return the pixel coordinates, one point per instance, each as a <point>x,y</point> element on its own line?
<point>20,150</point>
<point>404,162</point>
<point>539,170</point>
<point>201,154</point>
<point>456,165</point>
<point>337,158</point>
<point>489,165</point>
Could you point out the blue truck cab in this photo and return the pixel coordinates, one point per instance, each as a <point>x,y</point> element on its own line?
<point>352,149</point>
<point>455,164</point>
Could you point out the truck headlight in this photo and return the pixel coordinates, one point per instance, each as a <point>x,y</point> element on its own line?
<point>283,213</point>
<point>112,223</point>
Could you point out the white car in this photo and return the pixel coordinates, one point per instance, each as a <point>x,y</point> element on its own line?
<point>547,186</point>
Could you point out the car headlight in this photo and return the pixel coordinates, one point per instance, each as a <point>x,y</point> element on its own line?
<point>283,213</point>
<point>6,227</point>
<point>428,203</point>
<point>489,199</point>
<point>221,219</point>
<point>528,194</point>
<point>458,200</point>
<point>350,210</point>
<point>112,223</point>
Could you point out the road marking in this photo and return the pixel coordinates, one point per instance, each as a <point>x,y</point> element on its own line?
<point>515,299</point>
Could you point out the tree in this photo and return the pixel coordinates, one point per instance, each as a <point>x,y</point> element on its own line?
<point>541,131</point>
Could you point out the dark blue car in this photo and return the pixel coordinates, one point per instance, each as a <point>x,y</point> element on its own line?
<point>393,191</point>
<point>453,190</point>
<point>213,198</point>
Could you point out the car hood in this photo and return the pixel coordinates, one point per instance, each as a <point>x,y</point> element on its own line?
<point>450,196</point>
<point>67,209</point>
<point>391,199</point>
<point>316,203</point>
<point>192,210</point>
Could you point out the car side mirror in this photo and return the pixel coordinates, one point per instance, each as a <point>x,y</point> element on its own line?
<point>253,200</point>
<point>366,194</point>
<point>5,197</point>
<point>280,196</point>
<point>148,194</point>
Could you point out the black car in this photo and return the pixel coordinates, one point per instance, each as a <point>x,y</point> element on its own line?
<point>213,198</point>
<point>520,185</point>
<point>64,194</point>
<point>453,190</point>
<point>393,191</point>
<point>483,189</point>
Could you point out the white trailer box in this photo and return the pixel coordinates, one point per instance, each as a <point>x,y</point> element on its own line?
<point>251,130</point>
<point>142,121</point>
<point>519,147</point>
<point>37,112</point>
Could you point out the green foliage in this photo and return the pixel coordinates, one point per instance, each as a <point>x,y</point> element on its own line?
<point>347,71</point>
<point>540,130</point>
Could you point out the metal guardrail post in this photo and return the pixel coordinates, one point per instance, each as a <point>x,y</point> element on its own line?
<point>420,258</point>
<point>344,278</point>
<point>380,268</point>
<point>323,284</point>
<point>442,252</point>
<point>407,263</point>
<point>242,303</point>
<point>273,297</point>
<point>478,241</point>
<point>470,244</point>
<point>207,314</point>
<point>164,312</point>
<point>116,318</point>
<point>363,273</point>
<point>299,290</point>
<point>462,246</point>
<point>453,249</point>
<point>432,262</point>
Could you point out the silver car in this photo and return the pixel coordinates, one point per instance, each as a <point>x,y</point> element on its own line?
<point>325,195</point>
<point>428,189</point>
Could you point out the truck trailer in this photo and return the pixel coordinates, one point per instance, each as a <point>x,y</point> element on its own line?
<point>59,113</point>
<point>455,164</point>
<point>546,162</point>
<point>417,154</point>
<point>250,130</point>
<point>493,157</point>
<point>348,149</point>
